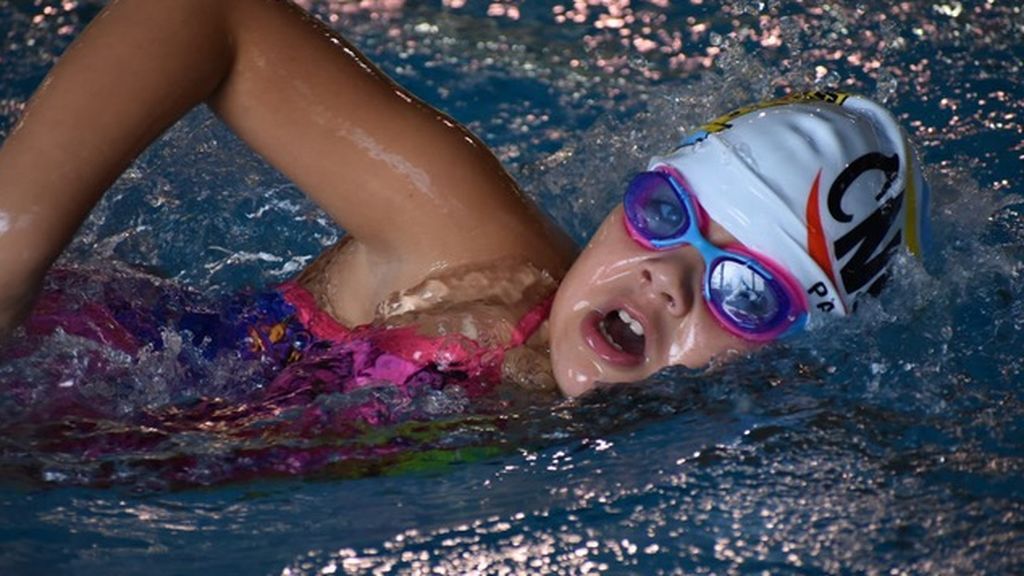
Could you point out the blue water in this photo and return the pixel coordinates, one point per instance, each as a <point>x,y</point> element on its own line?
<point>893,443</point>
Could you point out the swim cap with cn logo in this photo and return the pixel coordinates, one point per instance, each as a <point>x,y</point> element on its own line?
<point>825,184</point>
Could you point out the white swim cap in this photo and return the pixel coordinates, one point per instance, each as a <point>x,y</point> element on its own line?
<point>825,184</point>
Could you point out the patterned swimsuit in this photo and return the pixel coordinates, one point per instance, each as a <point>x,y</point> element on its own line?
<point>326,387</point>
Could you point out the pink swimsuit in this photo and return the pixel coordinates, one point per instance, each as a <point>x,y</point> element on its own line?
<point>406,352</point>
<point>278,328</point>
<point>326,388</point>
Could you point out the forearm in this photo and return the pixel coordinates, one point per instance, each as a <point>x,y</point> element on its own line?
<point>136,69</point>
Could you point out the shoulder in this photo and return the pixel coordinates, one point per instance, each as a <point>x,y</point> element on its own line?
<point>471,298</point>
<point>358,286</point>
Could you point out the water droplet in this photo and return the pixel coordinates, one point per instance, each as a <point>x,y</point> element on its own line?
<point>885,87</point>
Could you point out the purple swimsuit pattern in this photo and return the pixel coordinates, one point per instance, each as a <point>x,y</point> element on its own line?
<point>326,384</point>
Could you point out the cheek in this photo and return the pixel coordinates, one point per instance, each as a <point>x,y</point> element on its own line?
<point>591,282</point>
<point>595,274</point>
<point>698,342</point>
<point>574,372</point>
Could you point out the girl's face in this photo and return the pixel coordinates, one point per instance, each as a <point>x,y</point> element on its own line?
<point>624,312</point>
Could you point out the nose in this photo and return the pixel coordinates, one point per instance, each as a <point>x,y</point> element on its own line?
<point>673,279</point>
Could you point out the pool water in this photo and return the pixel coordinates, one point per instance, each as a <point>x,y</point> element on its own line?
<point>892,443</point>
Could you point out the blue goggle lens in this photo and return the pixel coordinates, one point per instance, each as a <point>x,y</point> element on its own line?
<point>654,209</point>
<point>745,297</point>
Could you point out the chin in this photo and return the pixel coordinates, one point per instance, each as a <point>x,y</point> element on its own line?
<point>577,366</point>
<point>572,381</point>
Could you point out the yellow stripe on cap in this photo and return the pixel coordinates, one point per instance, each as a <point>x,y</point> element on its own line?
<point>911,216</point>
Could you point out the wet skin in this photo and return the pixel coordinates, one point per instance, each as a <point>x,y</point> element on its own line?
<point>660,290</point>
<point>421,196</point>
<point>417,192</point>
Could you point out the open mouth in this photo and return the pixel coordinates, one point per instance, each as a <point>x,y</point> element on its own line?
<point>617,337</point>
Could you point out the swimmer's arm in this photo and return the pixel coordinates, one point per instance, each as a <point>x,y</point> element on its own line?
<point>415,189</point>
<point>124,81</point>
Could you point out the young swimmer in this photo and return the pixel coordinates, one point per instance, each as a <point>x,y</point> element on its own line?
<point>757,224</point>
<point>760,221</point>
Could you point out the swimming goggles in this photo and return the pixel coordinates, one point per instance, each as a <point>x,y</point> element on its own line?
<point>748,295</point>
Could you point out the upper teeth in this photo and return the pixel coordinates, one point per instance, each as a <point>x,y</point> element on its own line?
<point>634,325</point>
